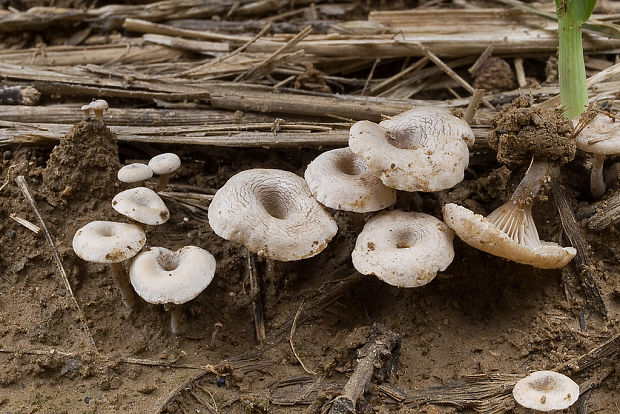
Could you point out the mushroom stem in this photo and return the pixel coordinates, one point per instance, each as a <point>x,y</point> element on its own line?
<point>127,293</point>
<point>175,317</point>
<point>162,182</point>
<point>98,114</point>
<point>597,183</point>
<point>536,175</point>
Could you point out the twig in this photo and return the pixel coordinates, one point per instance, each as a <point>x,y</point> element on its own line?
<point>178,390</point>
<point>370,75</point>
<point>290,339</point>
<point>520,71</point>
<point>389,81</point>
<point>584,265</point>
<point>583,362</point>
<point>8,176</point>
<point>21,183</point>
<point>474,103</point>
<point>382,346</point>
<point>483,56</point>
<point>607,214</point>
<point>255,295</point>
<point>30,226</point>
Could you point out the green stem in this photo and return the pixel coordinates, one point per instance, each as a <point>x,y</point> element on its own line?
<point>571,69</point>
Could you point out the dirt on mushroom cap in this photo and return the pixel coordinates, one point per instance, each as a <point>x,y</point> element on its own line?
<point>521,132</point>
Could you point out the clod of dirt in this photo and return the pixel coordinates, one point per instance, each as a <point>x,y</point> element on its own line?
<point>84,164</point>
<point>521,132</point>
<point>493,185</point>
<point>495,74</point>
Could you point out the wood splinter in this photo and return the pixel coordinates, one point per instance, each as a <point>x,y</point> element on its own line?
<point>381,350</point>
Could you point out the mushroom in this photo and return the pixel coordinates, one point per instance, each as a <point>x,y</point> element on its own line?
<point>86,109</point>
<point>600,137</point>
<point>142,205</point>
<point>98,107</point>
<point>546,391</point>
<point>423,149</point>
<point>339,179</point>
<point>272,213</point>
<point>164,165</point>
<point>112,243</point>
<point>134,173</point>
<point>403,249</point>
<point>161,276</point>
<point>509,231</point>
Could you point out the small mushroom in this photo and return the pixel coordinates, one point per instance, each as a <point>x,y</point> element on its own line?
<point>112,243</point>
<point>86,109</point>
<point>134,173</point>
<point>546,391</point>
<point>161,276</point>
<point>142,205</point>
<point>272,213</point>
<point>339,179</point>
<point>509,231</point>
<point>423,149</point>
<point>600,137</point>
<point>98,107</point>
<point>403,249</point>
<point>164,165</point>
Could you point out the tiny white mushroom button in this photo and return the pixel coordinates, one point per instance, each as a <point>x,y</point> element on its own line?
<point>165,163</point>
<point>134,173</point>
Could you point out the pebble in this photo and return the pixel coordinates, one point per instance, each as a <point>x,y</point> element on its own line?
<point>6,155</point>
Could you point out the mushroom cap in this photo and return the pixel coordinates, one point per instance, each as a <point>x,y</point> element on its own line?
<point>601,136</point>
<point>85,107</point>
<point>423,149</point>
<point>483,234</point>
<point>108,241</point>
<point>403,249</point>
<point>272,213</point>
<point>134,173</point>
<point>142,205</point>
<point>165,163</point>
<point>99,105</point>
<point>339,179</point>
<point>546,391</point>
<point>160,275</point>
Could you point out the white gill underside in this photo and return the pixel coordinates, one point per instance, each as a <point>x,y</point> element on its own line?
<point>517,223</point>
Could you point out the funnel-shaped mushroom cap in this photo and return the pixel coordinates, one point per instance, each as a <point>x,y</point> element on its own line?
<point>546,391</point>
<point>165,163</point>
<point>108,242</point>
<point>134,173</point>
<point>508,232</point>
<point>272,213</point>
<point>601,136</point>
<point>403,249</point>
<point>424,149</point>
<point>339,179</point>
<point>159,275</point>
<point>142,205</point>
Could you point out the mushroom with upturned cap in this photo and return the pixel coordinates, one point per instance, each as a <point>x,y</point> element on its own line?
<point>272,213</point>
<point>509,231</point>
<point>423,149</point>
<point>112,243</point>
<point>164,165</point>
<point>600,137</point>
<point>142,205</point>
<point>134,173</point>
<point>546,391</point>
<point>403,249</point>
<point>339,179</point>
<point>161,276</point>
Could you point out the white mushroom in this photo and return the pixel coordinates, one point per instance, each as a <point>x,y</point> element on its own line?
<point>86,109</point>
<point>403,249</point>
<point>272,213</point>
<point>600,137</point>
<point>134,173</point>
<point>339,179</point>
<point>142,205</point>
<point>98,107</point>
<point>546,391</point>
<point>509,231</point>
<point>423,149</point>
<point>164,165</point>
<point>112,243</point>
<point>161,276</point>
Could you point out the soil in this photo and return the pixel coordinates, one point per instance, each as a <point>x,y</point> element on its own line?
<point>500,317</point>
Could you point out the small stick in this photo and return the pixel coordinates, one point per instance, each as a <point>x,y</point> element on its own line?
<point>520,72</point>
<point>474,103</point>
<point>30,226</point>
<point>23,186</point>
<point>290,339</point>
<point>257,302</point>
<point>8,176</point>
<point>381,344</point>
<point>370,75</point>
<point>486,53</point>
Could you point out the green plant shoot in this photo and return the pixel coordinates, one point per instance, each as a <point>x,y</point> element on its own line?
<point>571,68</point>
